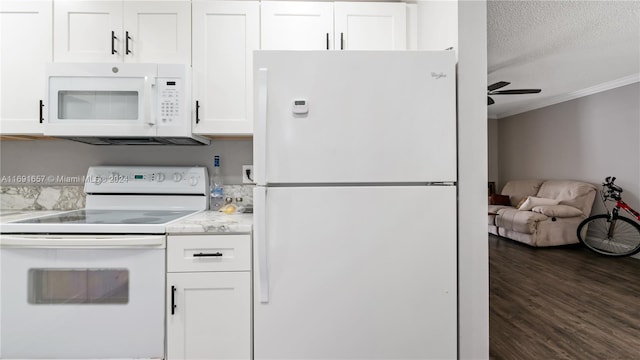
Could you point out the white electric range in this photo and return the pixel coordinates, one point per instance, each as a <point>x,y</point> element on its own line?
<point>90,283</point>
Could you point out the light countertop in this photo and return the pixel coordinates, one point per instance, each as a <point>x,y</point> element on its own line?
<point>207,222</point>
<point>212,222</point>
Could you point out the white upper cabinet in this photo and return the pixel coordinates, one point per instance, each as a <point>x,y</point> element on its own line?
<point>225,34</point>
<point>370,26</point>
<point>25,48</point>
<point>159,31</point>
<point>114,31</point>
<point>291,25</point>
<point>295,25</point>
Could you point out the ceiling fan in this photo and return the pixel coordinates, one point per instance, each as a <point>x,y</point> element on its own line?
<point>500,84</point>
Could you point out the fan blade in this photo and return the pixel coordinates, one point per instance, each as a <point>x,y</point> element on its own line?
<point>498,85</point>
<point>490,101</point>
<point>515,91</point>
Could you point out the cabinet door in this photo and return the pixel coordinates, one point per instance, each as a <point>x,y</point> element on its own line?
<point>370,26</point>
<point>87,31</point>
<point>157,31</point>
<point>288,25</point>
<point>225,34</point>
<point>25,30</point>
<point>212,315</point>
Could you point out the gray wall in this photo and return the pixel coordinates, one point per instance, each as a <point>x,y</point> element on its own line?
<point>68,158</point>
<point>584,139</point>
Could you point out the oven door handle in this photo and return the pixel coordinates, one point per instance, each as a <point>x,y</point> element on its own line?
<point>83,241</point>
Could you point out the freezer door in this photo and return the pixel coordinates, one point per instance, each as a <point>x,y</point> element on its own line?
<point>353,117</point>
<point>355,272</point>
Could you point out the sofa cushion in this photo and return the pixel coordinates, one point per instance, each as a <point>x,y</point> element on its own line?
<point>520,189</point>
<point>520,221</point>
<point>497,208</point>
<point>561,211</point>
<point>536,201</point>
<point>578,194</point>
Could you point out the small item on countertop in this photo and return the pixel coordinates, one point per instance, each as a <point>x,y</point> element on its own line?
<point>241,206</point>
<point>229,207</point>
<point>217,186</point>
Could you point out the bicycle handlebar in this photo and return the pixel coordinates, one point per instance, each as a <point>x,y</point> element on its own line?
<point>609,183</point>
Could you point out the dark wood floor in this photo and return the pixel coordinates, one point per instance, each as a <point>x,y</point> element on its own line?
<point>562,303</point>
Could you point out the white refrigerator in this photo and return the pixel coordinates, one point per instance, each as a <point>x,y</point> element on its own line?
<point>355,216</point>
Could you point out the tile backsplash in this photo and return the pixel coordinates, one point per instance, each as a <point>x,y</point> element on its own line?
<point>32,197</point>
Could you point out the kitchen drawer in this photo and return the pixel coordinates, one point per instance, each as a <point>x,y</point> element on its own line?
<point>187,253</point>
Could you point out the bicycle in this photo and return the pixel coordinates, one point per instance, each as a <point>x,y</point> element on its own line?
<point>611,234</point>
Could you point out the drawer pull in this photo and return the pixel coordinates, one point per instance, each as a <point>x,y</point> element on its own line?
<point>207,254</point>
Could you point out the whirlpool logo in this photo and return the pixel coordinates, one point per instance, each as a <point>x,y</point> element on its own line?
<point>439,75</point>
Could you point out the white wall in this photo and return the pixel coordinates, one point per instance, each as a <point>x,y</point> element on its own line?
<point>473,252</point>
<point>68,158</point>
<point>583,139</point>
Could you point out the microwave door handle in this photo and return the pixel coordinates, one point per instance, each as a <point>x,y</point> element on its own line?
<point>149,94</point>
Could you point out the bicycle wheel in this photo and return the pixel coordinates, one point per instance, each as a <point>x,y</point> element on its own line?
<point>593,232</point>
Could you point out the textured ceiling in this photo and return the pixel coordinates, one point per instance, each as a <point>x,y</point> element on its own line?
<point>566,48</point>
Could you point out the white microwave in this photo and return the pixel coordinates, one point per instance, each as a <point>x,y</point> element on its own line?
<point>120,104</point>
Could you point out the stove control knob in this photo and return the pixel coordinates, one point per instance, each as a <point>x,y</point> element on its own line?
<point>193,181</point>
<point>177,177</point>
<point>160,177</point>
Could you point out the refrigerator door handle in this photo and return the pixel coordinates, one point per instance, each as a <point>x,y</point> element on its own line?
<point>260,238</point>
<point>259,139</point>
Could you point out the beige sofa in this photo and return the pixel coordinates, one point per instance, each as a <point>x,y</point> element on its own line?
<point>549,217</point>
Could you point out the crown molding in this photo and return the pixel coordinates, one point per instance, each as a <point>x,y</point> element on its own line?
<point>571,96</point>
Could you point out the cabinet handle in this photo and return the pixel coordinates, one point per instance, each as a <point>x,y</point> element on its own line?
<point>327,41</point>
<point>341,41</point>
<point>113,43</point>
<point>207,254</point>
<point>197,111</point>
<point>126,43</point>
<point>41,107</point>
<point>173,300</point>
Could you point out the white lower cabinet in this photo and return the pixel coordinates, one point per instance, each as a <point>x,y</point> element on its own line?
<point>209,297</point>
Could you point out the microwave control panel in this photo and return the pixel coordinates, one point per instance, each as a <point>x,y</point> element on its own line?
<point>169,100</point>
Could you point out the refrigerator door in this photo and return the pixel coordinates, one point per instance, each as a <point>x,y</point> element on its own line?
<point>355,273</point>
<point>354,117</point>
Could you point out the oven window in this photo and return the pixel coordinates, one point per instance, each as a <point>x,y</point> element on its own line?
<point>97,105</point>
<point>78,286</point>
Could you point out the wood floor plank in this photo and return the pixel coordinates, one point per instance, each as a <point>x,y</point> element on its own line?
<point>561,303</point>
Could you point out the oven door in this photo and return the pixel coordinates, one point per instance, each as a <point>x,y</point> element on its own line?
<point>80,297</point>
<point>101,100</point>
